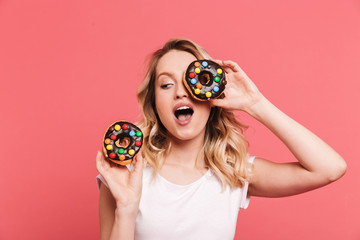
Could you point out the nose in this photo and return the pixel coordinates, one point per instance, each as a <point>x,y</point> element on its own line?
<point>181,91</point>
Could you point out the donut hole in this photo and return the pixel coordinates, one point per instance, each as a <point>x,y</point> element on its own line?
<point>205,78</point>
<point>123,142</point>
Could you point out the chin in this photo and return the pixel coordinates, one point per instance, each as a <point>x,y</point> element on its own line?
<point>186,134</point>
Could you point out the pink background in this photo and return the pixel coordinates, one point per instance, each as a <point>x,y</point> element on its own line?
<point>69,69</point>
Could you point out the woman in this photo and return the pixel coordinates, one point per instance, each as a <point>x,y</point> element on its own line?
<point>198,172</point>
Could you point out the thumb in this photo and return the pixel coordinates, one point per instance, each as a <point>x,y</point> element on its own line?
<point>217,102</point>
<point>139,164</point>
<point>137,173</point>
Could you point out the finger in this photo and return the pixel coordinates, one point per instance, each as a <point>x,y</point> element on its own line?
<point>217,102</point>
<point>227,69</point>
<point>232,65</point>
<point>220,62</point>
<point>137,173</point>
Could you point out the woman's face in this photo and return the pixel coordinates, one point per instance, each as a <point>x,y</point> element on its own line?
<point>183,117</point>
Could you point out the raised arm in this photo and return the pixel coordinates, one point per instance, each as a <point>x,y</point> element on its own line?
<point>318,164</point>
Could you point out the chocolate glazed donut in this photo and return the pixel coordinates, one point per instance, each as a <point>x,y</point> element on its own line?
<point>122,141</point>
<point>205,79</point>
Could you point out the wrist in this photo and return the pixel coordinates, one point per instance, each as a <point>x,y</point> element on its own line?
<point>258,109</point>
<point>127,211</point>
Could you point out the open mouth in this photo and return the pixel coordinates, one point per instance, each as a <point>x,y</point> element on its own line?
<point>183,113</point>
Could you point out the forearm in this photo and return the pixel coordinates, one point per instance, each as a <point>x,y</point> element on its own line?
<point>124,226</point>
<point>311,152</point>
<point>116,220</point>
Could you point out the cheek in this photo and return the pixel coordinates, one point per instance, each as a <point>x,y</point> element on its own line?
<point>158,103</point>
<point>162,113</point>
<point>162,108</point>
<point>204,111</point>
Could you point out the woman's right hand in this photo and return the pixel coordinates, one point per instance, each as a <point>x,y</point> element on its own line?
<point>124,185</point>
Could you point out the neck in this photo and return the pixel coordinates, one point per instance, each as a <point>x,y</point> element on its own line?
<point>188,153</point>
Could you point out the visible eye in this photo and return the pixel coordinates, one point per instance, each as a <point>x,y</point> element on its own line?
<point>165,86</point>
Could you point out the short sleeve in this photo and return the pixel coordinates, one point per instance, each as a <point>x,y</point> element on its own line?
<point>99,180</point>
<point>245,199</point>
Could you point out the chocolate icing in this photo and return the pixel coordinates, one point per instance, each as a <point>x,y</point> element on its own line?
<point>120,135</point>
<point>211,71</point>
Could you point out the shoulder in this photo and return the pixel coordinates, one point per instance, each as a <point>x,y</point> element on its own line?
<point>251,159</point>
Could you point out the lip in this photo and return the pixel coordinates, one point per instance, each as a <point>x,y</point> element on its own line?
<point>182,104</point>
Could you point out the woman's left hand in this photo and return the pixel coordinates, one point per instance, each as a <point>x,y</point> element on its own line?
<point>240,92</point>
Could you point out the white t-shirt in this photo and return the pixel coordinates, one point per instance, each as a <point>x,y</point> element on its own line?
<point>195,211</point>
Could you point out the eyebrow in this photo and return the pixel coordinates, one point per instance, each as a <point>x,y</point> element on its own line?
<point>166,74</point>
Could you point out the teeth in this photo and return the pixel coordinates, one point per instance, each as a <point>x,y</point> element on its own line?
<point>183,108</point>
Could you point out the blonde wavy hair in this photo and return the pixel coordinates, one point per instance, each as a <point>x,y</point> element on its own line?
<point>225,146</point>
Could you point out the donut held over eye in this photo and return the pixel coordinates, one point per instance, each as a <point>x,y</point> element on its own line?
<point>205,79</point>
<point>122,141</point>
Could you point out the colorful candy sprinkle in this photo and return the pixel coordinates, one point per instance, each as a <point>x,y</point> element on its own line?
<point>219,71</point>
<point>113,137</point>
<point>117,127</point>
<point>197,91</point>
<point>109,147</point>
<point>191,75</point>
<point>204,63</point>
<point>131,151</point>
<point>112,155</point>
<point>216,89</point>
<point>217,79</point>
<point>138,143</point>
<point>197,70</point>
<point>138,133</point>
<point>107,141</point>
<point>197,64</point>
<point>122,157</point>
<point>121,150</point>
<point>132,133</point>
<point>125,126</point>
<point>199,86</point>
<point>193,81</point>
<point>208,94</point>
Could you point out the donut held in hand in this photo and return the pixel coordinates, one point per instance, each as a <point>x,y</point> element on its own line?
<point>205,79</point>
<point>122,141</point>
